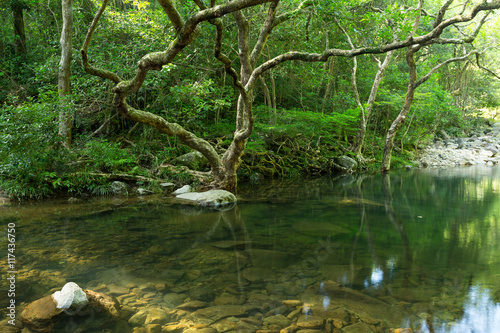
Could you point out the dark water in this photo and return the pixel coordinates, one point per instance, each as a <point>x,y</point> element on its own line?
<point>418,249</point>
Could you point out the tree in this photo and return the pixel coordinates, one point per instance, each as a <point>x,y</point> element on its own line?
<point>18,6</point>
<point>65,118</point>
<point>224,167</point>
<point>413,83</point>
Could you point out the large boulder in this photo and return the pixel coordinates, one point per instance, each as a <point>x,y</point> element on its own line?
<point>345,164</point>
<point>42,314</point>
<point>118,188</point>
<point>194,161</point>
<point>38,315</point>
<point>212,198</point>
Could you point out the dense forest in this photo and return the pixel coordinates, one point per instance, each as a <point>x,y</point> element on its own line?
<point>94,91</point>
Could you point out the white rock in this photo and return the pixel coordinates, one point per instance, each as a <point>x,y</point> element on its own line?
<point>212,198</point>
<point>182,190</point>
<point>70,295</point>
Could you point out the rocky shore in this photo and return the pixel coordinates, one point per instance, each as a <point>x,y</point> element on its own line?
<point>479,149</point>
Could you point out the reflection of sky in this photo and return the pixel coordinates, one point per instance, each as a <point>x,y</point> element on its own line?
<point>376,278</point>
<point>481,315</point>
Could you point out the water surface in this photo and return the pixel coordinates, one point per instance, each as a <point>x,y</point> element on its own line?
<point>417,249</point>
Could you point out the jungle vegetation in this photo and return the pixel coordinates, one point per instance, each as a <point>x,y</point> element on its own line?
<point>117,89</point>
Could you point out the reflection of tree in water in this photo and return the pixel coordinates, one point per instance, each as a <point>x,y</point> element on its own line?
<point>443,228</point>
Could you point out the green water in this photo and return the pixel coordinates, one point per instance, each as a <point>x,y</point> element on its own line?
<point>418,249</point>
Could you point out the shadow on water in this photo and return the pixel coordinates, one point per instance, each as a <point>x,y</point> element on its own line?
<point>418,250</point>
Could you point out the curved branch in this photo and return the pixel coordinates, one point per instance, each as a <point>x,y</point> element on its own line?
<point>429,38</point>
<point>267,27</point>
<point>173,14</point>
<point>289,15</point>
<point>486,69</point>
<point>173,129</point>
<point>441,12</point>
<point>87,67</point>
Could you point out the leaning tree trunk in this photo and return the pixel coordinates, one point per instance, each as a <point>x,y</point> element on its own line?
<point>413,84</point>
<point>366,112</point>
<point>396,124</point>
<point>65,118</point>
<point>17,12</point>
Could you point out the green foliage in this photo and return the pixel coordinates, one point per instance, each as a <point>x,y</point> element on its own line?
<point>30,156</point>
<point>198,103</point>
<point>107,156</point>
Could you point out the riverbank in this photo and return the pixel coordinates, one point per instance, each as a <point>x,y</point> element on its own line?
<point>481,148</point>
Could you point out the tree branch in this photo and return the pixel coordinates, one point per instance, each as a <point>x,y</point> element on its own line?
<point>428,75</point>
<point>478,55</point>
<point>88,68</point>
<point>419,40</point>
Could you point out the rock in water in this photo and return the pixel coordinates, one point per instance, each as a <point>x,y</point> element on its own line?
<point>212,198</point>
<point>37,316</point>
<point>70,295</point>
<point>104,303</point>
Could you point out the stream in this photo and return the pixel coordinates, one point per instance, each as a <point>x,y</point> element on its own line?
<point>415,249</point>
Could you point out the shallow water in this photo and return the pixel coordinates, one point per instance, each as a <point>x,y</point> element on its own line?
<point>417,249</point>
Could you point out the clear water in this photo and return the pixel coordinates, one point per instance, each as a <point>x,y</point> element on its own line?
<point>418,249</point>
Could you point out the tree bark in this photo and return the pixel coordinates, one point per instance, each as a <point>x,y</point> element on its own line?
<point>366,112</point>
<point>64,86</point>
<point>17,12</point>
<point>396,124</point>
<point>413,84</point>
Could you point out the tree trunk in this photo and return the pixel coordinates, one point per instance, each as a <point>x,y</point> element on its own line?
<point>65,117</point>
<point>17,12</point>
<point>396,124</point>
<point>365,112</point>
<point>328,84</point>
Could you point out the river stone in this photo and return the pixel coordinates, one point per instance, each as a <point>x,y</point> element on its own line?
<point>192,305</point>
<point>174,299</point>
<point>70,295</point>
<point>115,290</point>
<point>215,313</point>
<point>38,315</point>
<point>118,188</point>
<point>212,198</point>
<point>278,319</point>
<point>193,160</point>
<point>156,316</point>
<point>143,191</point>
<point>167,187</point>
<point>310,322</point>
<point>292,302</point>
<point>346,163</point>
<point>359,327</point>
<point>204,293</point>
<point>139,318</point>
<point>182,190</point>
